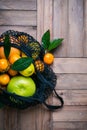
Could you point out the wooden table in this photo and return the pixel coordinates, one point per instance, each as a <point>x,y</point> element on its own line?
<point>66,19</point>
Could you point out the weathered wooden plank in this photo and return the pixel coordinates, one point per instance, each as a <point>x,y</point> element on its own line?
<point>27,29</point>
<point>43,120</point>
<point>27,119</point>
<point>10,119</point>
<point>60,25</point>
<point>18,5</point>
<point>71,81</point>
<point>69,25</point>
<point>18,18</point>
<point>75,29</point>
<point>40,19</point>
<point>34,118</point>
<point>71,113</point>
<point>70,126</point>
<point>44,22</point>
<point>44,17</point>
<point>85,28</point>
<point>70,65</point>
<point>72,97</point>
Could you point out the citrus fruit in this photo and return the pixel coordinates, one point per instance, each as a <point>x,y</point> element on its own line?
<point>4,65</point>
<point>23,86</point>
<point>48,58</point>
<point>28,71</point>
<point>23,55</point>
<point>13,58</point>
<point>4,79</point>
<point>12,72</point>
<point>12,51</point>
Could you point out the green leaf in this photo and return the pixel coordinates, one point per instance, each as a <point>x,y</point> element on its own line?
<point>7,46</point>
<point>46,39</point>
<point>54,44</point>
<point>22,63</point>
<point>1,105</point>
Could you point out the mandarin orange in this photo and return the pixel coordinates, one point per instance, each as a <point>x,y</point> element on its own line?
<point>48,58</point>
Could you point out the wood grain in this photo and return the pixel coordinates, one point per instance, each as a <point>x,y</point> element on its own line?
<point>72,81</point>
<point>85,28</point>
<point>18,5</point>
<point>44,17</point>
<point>28,29</point>
<point>18,18</point>
<point>71,113</point>
<point>44,22</point>
<point>68,23</point>
<point>44,119</point>
<point>27,119</point>
<point>10,120</point>
<point>72,97</point>
<point>70,65</point>
<point>60,25</point>
<point>70,125</point>
<point>66,19</point>
<point>76,32</point>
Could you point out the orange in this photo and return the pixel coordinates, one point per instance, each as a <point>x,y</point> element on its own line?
<point>12,72</point>
<point>13,58</point>
<point>4,79</point>
<point>12,51</point>
<point>4,65</point>
<point>23,54</point>
<point>48,58</point>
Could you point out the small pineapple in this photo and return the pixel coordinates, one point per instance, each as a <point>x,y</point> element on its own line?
<point>35,48</point>
<point>39,65</point>
<point>13,39</point>
<point>23,38</point>
<point>1,39</point>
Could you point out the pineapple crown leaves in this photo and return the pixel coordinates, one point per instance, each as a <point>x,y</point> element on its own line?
<point>48,44</point>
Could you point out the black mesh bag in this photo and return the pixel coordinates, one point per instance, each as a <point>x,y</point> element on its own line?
<point>45,81</point>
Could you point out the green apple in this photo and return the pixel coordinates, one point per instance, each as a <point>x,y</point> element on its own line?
<point>23,86</point>
<point>28,71</point>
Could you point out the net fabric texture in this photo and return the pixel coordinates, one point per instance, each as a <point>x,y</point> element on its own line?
<point>45,81</point>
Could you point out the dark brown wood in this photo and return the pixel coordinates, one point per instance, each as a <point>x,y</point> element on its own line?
<point>10,119</point>
<point>27,119</point>
<point>44,118</point>
<point>1,119</point>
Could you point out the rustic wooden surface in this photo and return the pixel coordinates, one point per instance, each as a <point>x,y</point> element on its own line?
<point>66,19</point>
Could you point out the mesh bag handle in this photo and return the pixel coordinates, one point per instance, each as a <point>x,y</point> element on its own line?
<point>45,81</point>
<point>54,107</point>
